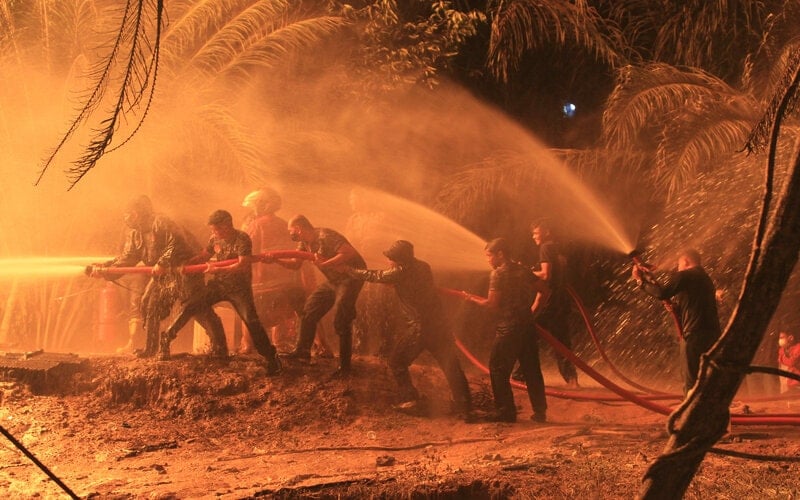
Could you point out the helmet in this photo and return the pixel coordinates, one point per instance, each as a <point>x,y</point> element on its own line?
<point>401,251</point>
<point>263,200</point>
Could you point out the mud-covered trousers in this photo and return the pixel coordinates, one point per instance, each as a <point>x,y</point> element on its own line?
<point>159,296</point>
<point>434,339</point>
<point>518,345</point>
<point>342,298</point>
<point>244,305</point>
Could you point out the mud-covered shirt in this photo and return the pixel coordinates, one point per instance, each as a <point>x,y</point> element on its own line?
<point>239,245</point>
<point>326,246</point>
<point>514,285</point>
<point>163,243</point>
<point>694,296</point>
<point>415,287</point>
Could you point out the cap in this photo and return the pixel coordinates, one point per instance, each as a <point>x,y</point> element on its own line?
<point>400,251</point>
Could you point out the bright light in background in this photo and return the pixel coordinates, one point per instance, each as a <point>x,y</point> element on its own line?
<point>569,109</point>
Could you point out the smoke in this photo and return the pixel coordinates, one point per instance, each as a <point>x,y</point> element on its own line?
<point>306,128</point>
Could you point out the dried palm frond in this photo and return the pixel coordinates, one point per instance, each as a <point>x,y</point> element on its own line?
<point>519,26</point>
<point>130,69</point>
<point>769,71</point>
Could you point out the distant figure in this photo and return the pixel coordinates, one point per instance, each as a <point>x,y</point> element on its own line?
<point>155,240</point>
<point>694,298</point>
<point>229,283</point>
<point>332,252</point>
<point>789,358</point>
<point>510,297</point>
<point>552,310</point>
<point>278,292</point>
<point>427,329</point>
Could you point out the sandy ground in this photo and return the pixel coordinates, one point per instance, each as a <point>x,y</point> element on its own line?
<point>197,428</point>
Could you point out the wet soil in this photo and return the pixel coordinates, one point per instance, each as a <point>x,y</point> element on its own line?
<point>194,427</point>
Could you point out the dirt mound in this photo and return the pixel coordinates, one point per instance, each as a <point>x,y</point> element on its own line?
<point>194,427</point>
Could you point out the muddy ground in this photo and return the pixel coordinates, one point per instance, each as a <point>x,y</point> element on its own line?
<point>192,427</point>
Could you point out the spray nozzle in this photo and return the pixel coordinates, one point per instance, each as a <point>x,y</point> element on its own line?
<point>94,270</point>
<point>634,254</point>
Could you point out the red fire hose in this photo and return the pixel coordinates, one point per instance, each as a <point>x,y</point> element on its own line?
<point>602,352</point>
<point>200,268</point>
<point>747,419</point>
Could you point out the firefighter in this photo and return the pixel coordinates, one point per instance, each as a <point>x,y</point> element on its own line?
<point>426,326</point>
<point>228,283</point>
<point>155,240</point>
<point>339,291</point>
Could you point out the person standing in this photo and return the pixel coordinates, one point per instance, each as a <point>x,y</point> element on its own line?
<point>155,240</point>
<point>789,358</point>
<point>553,312</point>
<point>426,326</point>
<point>278,292</point>
<point>339,292</point>
<point>229,283</point>
<point>510,295</point>
<point>693,296</point>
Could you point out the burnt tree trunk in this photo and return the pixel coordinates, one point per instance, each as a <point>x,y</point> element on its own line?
<point>703,417</point>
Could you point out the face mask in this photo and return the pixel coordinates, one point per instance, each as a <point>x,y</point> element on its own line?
<point>295,236</point>
<point>783,342</point>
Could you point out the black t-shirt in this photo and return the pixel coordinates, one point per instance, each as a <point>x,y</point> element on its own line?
<point>514,284</point>
<point>327,245</point>
<point>694,296</point>
<point>239,245</point>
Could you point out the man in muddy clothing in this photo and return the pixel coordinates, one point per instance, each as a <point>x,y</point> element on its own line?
<point>156,241</point>
<point>694,298</point>
<point>332,253</point>
<point>229,283</point>
<point>511,293</point>
<point>426,328</point>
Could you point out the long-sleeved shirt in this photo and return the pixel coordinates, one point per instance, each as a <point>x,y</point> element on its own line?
<point>694,297</point>
<point>162,242</point>
<point>415,287</point>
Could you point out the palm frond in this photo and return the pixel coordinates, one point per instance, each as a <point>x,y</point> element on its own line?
<point>695,145</point>
<point>646,98</point>
<point>241,147</point>
<point>207,20</point>
<point>138,38</point>
<point>519,26</point>
<point>202,18</point>
<point>769,71</point>
<point>237,50</point>
<point>469,191</point>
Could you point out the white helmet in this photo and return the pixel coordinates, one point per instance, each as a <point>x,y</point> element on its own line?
<point>263,200</point>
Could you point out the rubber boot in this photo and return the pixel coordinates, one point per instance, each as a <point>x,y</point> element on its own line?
<point>151,345</point>
<point>219,345</point>
<point>164,340</point>
<point>135,336</point>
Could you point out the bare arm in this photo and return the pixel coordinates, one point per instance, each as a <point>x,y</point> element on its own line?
<point>491,302</point>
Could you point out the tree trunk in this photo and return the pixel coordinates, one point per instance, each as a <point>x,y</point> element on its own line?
<point>703,417</point>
